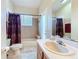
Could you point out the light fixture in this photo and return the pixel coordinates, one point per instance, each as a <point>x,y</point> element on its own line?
<point>63,1</point>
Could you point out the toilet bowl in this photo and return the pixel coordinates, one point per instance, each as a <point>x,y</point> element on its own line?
<point>16,48</point>
<point>15,51</point>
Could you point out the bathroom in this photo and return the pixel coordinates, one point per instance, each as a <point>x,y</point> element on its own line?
<point>41,27</point>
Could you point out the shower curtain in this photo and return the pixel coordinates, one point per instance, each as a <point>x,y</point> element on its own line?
<point>14,28</point>
<point>59,27</point>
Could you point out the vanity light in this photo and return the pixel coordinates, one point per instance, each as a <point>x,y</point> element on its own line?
<point>63,1</point>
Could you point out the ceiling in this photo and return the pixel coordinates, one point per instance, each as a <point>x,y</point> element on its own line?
<point>27,3</point>
<point>58,5</point>
<point>36,3</point>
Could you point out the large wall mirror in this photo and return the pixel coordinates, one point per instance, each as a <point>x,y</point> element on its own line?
<point>64,22</point>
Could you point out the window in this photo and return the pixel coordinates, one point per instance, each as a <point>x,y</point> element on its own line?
<point>26,20</point>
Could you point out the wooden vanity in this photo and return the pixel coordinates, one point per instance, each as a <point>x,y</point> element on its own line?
<point>40,53</point>
<point>43,53</point>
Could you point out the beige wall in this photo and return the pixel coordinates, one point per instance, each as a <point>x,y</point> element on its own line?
<point>74,21</point>
<point>25,10</point>
<point>29,31</point>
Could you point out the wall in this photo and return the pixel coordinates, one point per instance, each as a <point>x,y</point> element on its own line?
<point>74,21</point>
<point>45,11</point>
<point>29,32</point>
<point>46,4</point>
<point>65,13</point>
<point>9,6</point>
<point>25,10</point>
<point>3,23</point>
<point>42,26</point>
<point>5,7</point>
<point>65,21</point>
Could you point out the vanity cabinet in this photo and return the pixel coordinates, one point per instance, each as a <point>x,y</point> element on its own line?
<point>40,53</point>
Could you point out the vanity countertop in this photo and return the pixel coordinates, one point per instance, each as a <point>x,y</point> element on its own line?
<point>51,55</point>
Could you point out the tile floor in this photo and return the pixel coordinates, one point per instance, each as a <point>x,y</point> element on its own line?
<point>30,54</point>
<point>29,50</point>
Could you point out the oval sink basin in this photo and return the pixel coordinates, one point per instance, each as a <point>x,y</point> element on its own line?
<point>59,49</point>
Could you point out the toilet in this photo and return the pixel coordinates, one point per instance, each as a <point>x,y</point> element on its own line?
<point>15,50</point>
<point>14,47</point>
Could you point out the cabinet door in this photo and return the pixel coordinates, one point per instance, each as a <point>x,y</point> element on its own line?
<point>45,57</point>
<point>39,52</point>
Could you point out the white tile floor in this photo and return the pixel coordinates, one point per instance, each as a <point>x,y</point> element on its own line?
<point>29,55</point>
<point>29,50</point>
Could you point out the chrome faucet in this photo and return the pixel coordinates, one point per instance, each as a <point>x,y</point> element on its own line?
<point>60,42</point>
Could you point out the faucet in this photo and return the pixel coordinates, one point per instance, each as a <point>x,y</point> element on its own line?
<point>60,42</point>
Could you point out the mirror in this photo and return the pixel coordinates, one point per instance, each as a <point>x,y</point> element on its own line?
<point>63,21</point>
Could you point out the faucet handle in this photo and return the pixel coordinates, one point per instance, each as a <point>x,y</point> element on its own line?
<point>60,42</point>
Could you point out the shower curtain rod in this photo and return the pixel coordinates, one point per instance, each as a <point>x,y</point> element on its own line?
<point>25,14</point>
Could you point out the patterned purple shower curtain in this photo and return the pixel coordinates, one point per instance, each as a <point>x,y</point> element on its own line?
<point>14,28</point>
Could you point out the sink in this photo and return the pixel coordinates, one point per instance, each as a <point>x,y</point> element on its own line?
<point>54,47</point>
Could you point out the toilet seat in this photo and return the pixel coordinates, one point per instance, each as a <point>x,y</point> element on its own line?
<point>16,46</point>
